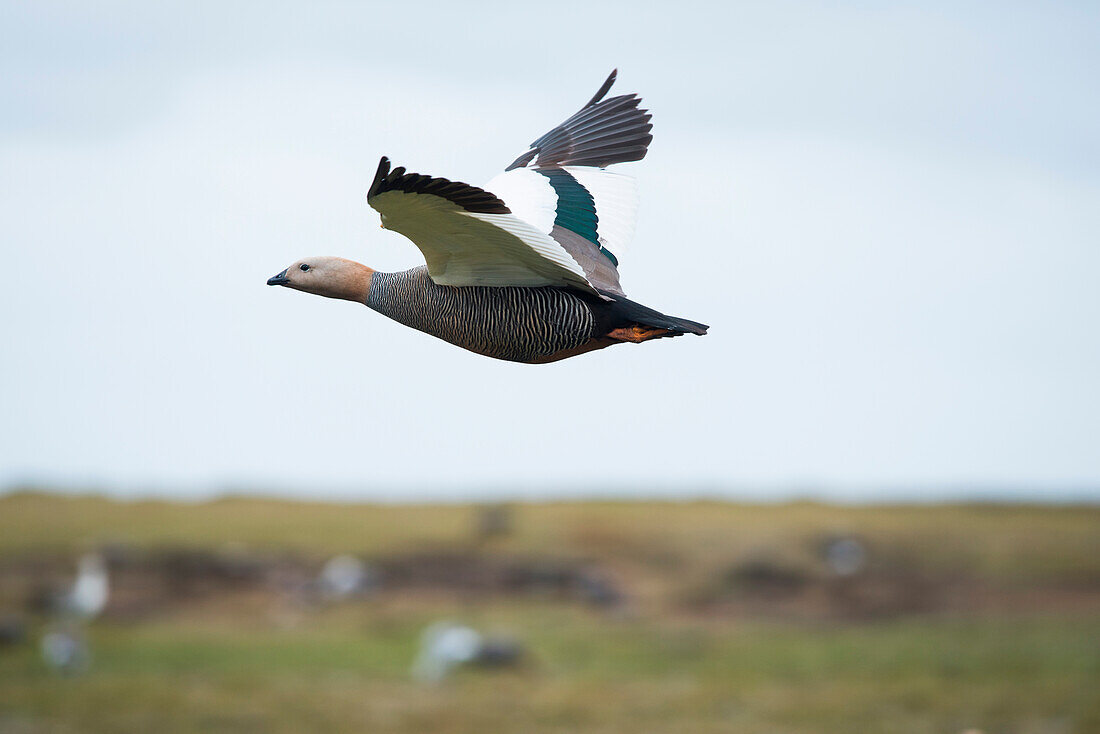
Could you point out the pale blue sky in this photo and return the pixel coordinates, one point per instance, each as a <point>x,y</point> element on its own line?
<point>889,215</point>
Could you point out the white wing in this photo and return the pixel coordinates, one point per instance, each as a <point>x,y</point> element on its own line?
<point>467,235</point>
<point>554,217</point>
<point>530,195</point>
<point>564,187</point>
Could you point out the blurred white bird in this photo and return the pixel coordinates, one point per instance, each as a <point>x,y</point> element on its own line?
<point>88,595</point>
<point>65,651</point>
<point>443,647</point>
<point>344,576</point>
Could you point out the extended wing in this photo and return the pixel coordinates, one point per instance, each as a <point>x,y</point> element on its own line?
<point>469,236</point>
<point>554,217</point>
<point>563,187</point>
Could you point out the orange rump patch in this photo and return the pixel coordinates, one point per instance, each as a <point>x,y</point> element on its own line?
<point>637,333</point>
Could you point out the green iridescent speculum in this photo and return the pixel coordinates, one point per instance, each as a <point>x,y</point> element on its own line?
<point>576,209</point>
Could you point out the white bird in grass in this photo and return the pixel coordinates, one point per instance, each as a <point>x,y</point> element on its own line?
<point>65,651</point>
<point>446,646</point>
<point>88,596</point>
<point>344,576</point>
<point>443,647</point>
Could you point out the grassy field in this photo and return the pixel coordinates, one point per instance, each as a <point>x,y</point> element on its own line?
<point>1010,641</point>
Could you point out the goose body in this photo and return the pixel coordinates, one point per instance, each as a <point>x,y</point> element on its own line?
<point>518,324</point>
<point>524,270</point>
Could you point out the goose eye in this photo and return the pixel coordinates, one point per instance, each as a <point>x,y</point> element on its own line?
<point>304,267</point>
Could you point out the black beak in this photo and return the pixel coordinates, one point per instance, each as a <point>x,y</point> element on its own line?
<point>279,279</point>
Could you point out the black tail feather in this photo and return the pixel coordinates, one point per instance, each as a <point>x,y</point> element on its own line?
<point>622,312</point>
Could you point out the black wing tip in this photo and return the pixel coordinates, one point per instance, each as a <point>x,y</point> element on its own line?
<point>604,88</point>
<point>470,198</point>
<point>379,176</point>
<point>523,160</point>
<point>603,132</point>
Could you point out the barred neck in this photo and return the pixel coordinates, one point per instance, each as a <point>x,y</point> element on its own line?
<point>386,288</point>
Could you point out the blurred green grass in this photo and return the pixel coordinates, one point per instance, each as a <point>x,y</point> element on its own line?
<point>589,675</point>
<point>236,666</point>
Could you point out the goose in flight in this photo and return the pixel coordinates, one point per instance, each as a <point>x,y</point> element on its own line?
<point>523,270</point>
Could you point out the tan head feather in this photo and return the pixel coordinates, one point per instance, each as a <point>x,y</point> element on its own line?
<point>332,277</point>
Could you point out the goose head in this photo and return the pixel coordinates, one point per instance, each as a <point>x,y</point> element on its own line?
<point>332,277</point>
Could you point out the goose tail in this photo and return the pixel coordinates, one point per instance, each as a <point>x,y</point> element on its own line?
<point>636,322</point>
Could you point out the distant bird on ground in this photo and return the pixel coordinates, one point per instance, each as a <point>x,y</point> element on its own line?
<point>493,521</point>
<point>65,651</point>
<point>87,597</point>
<point>525,270</point>
<point>345,576</point>
<point>845,556</point>
<point>445,646</point>
<point>600,590</point>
